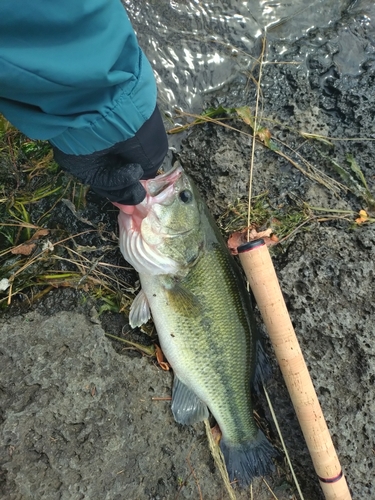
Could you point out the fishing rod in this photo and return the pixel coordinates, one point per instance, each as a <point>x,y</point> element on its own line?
<point>260,272</point>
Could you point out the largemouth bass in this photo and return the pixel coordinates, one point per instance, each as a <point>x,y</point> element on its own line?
<point>201,309</point>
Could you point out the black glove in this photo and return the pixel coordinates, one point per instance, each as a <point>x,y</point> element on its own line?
<point>114,173</point>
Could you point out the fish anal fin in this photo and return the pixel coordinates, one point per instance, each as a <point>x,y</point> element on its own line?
<point>187,408</point>
<point>139,310</point>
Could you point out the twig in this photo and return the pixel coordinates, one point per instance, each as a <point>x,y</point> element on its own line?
<point>219,460</point>
<point>269,488</point>
<point>194,475</point>
<point>148,350</point>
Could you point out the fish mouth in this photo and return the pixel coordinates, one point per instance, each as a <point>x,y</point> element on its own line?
<point>157,187</point>
<point>158,190</point>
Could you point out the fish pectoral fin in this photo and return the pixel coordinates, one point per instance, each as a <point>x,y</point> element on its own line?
<point>183,301</point>
<point>139,310</point>
<point>187,408</point>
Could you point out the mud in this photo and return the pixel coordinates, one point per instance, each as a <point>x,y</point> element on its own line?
<point>77,416</point>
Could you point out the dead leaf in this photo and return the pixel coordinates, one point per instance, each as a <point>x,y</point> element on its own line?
<point>39,233</point>
<point>235,240</point>
<point>72,208</point>
<point>240,237</point>
<point>264,135</point>
<point>363,217</point>
<point>245,114</point>
<point>216,433</point>
<point>28,247</point>
<point>160,359</point>
<point>24,249</point>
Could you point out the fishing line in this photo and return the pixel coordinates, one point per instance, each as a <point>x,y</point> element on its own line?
<point>282,441</point>
<point>254,135</point>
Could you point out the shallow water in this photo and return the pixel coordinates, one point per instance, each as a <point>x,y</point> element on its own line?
<point>196,47</point>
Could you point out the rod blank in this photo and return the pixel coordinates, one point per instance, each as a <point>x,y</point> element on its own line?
<point>260,272</point>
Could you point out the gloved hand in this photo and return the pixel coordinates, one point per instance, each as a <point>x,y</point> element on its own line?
<point>115,172</point>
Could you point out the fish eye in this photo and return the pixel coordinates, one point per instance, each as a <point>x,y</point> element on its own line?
<point>186,196</point>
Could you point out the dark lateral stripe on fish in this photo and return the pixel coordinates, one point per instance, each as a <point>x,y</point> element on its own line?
<point>331,480</point>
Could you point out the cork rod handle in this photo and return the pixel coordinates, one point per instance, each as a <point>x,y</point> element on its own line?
<point>260,272</point>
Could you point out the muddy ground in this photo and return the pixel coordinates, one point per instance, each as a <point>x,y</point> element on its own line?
<point>77,416</point>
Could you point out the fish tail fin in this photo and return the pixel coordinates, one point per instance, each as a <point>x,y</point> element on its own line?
<point>248,460</point>
<point>263,368</point>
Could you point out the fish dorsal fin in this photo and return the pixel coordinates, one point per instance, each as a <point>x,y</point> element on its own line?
<point>139,310</point>
<point>263,369</point>
<point>187,408</point>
